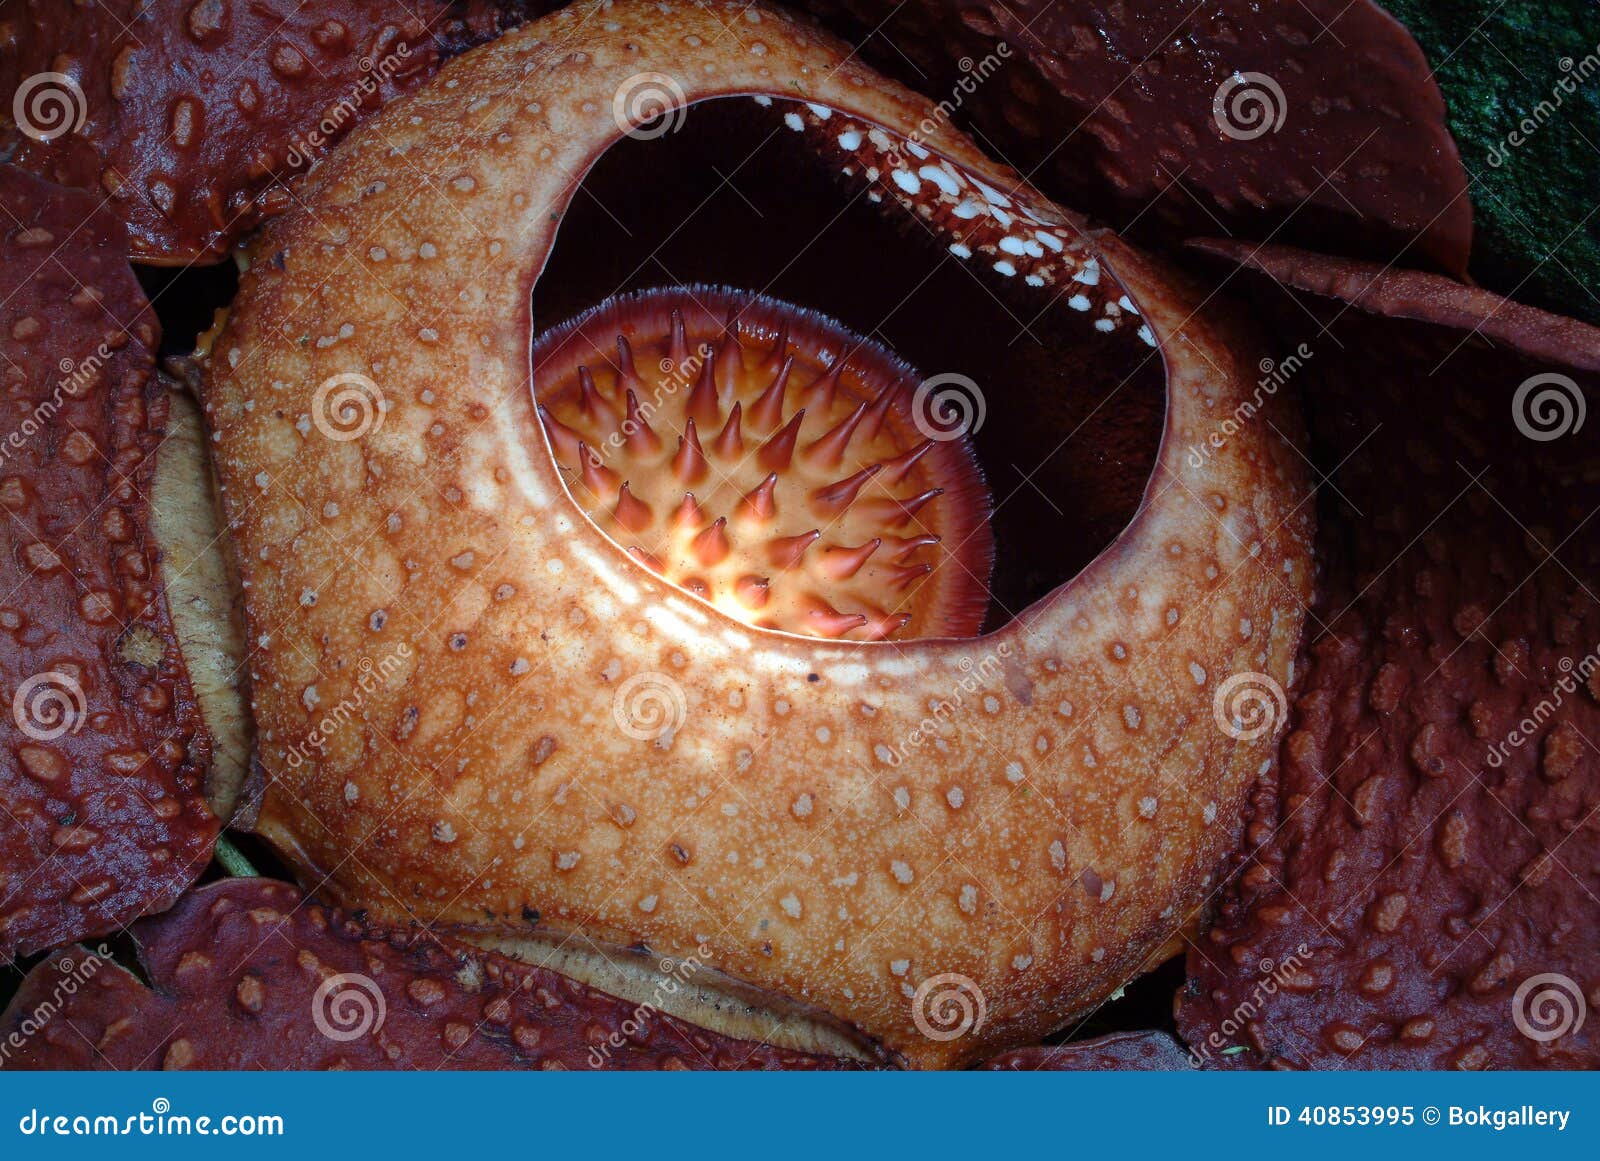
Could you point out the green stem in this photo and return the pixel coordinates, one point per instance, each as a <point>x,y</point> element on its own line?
<point>232,861</point>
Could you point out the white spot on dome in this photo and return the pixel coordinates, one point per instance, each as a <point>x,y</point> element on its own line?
<point>940,178</point>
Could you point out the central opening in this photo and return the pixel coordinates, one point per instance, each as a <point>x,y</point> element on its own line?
<point>941,416</point>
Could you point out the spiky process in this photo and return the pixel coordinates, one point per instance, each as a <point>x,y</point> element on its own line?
<point>765,459</point>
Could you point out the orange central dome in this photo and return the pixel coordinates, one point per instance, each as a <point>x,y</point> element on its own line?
<point>764,458</point>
